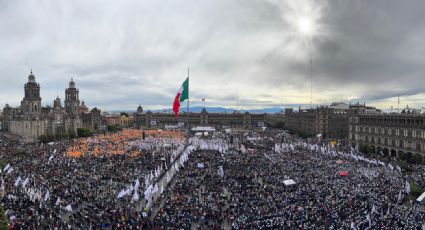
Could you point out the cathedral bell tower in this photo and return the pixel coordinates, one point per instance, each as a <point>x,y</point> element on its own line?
<point>72,100</point>
<point>31,104</point>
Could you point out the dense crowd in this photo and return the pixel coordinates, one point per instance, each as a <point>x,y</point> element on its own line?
<point>45,187</point>
<point>108,181</point>
<point>250,193</point>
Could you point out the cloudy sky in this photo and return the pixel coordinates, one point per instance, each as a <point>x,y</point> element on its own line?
<point>125,53</point>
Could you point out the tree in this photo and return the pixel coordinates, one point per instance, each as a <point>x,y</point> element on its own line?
<point>3,219</point>
<point>371,150</point>
<point>364,148</point>
<point>112,128</point>
<point>415,190</point>
<point>403,156</point>
<point>84,132</point>
<point>416,158</point>
<point>71,134</point>
<point>43,139</point>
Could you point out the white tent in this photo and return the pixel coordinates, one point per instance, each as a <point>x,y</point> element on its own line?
<point>289,182</point>
<point>203,129</point>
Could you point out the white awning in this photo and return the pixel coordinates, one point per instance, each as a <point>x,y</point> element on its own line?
<point>203,129</point>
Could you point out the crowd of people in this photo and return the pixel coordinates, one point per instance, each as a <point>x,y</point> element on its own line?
<point>47,186</point>
<point>250,192</point>
<point>108,181</point>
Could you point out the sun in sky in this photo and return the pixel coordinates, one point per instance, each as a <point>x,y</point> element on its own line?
<point>304,24</point>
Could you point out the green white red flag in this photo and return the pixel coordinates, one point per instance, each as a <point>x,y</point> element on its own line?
<point>181,96</point>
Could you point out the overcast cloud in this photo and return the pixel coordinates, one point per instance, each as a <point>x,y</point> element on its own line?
<point>125,53</point>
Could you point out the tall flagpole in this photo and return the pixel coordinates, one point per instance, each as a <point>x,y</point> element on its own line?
<point>188,90</point>
<point>311,80</point>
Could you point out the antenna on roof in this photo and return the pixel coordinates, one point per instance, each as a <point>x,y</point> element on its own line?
<point>398,104</point>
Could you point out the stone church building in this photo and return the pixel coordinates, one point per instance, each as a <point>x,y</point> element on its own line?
<point>31,119</point>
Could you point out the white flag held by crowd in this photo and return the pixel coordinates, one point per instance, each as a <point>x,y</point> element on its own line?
<point>17,181</point>
<point>68,208</point>
<point>407,187</point>
<point>25,182</point>
<point>121,194</point>
<point>58,201</point>
<point>220,171</point>
<point>135,196</point>
<point>6,168</point>
<point>47,195</point>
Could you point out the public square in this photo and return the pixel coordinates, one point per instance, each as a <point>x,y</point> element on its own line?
<point>164,183</point>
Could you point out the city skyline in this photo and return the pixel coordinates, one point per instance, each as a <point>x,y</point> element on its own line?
<point>125,54</point>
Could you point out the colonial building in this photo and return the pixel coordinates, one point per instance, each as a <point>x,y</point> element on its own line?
<point>330,121</point>
<point>31,120</point>
<point>216,120</point>
<point>122,121</point>
<point>393,134</point>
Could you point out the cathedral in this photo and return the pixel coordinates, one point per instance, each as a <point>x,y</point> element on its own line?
<point>31,119</point>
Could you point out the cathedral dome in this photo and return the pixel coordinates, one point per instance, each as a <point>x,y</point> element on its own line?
<point>140,109</point>
<point>31,77</point>
<point>83,105</point>
<point>72,83</point>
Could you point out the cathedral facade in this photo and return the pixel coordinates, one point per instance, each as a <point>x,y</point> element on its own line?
<point>31,119</point>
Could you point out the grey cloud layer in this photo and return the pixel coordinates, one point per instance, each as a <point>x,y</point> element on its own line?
<point>136,52</point>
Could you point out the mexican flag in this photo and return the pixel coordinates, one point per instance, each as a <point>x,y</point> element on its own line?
<point>182,95</point>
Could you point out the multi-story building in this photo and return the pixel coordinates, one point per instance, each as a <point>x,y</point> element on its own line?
<point>216,120</point>
<point>31,120</point>
<point>120,120</point>
<point>391,134</point>
<point>331,122</point>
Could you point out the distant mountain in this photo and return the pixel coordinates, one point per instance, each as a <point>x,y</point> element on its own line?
<point>199,109</point>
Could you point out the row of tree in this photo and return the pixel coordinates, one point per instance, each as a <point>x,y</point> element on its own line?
<point>407,157</point>
<point>81,132</point>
